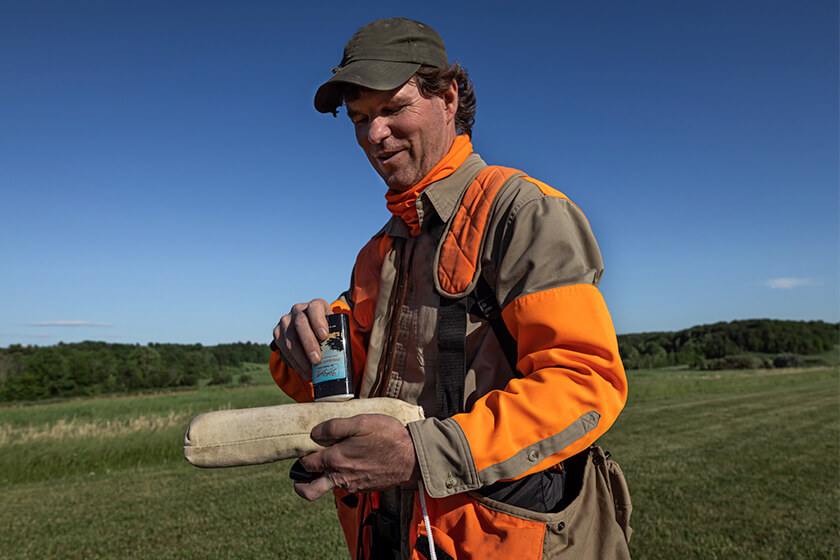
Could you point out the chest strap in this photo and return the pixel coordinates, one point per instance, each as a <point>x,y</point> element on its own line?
<point>452,337</point>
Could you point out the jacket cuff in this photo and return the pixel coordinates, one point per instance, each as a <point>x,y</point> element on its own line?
<point>444,456</point>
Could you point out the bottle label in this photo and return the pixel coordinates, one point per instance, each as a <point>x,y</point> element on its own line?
<point>332,360</point>
<point>332,378</point>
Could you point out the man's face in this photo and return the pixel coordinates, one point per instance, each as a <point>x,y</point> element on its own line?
<point>403,134</point>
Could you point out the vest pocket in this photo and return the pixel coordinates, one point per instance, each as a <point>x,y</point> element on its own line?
<point>593,515</point>
<point>466,529</point>
<point>621,497</point>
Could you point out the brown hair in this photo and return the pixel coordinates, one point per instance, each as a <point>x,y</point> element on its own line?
<point>433,81</point>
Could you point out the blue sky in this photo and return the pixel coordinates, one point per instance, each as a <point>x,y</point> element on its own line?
<point>164,176</point>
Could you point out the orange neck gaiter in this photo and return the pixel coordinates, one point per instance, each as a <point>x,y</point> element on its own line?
<point>404,204</point>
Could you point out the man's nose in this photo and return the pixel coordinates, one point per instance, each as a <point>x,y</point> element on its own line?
<point>378,130</point>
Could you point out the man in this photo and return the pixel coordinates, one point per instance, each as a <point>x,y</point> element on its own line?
<point>477,301</point>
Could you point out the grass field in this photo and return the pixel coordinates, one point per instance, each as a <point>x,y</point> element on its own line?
<point>720,465</point>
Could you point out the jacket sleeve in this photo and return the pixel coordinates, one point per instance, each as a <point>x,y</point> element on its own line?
<point>358,302</point>
<point>299,388</point>
<point>573,384</point>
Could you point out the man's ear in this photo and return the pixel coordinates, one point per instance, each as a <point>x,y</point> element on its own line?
<point>450,101</point>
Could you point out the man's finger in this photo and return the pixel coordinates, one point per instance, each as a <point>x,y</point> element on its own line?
<point>302,326</point>
<point>313,490</point>
<point>332,431</point>
<point>289,345</point>
<point>317,312</point>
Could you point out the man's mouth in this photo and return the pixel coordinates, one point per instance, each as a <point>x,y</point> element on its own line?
<point>384,157</point>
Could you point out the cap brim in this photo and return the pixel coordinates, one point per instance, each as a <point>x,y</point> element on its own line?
<point>372,74</point>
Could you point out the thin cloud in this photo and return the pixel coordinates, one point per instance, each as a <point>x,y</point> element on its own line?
<point>69,324</point>
<point>14,335</point>
<point>790,283</point>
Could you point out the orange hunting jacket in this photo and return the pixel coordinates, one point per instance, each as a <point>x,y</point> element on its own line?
<point>536,250</point>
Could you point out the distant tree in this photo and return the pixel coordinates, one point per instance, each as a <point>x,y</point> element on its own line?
<point>788,360</point>
<point>740,361</point>
<point>148,363</point>
<point>221,378</point>
<point>11,365</point>
<point>630,356</point>
<point>655,354</point>
<point>51,368</point>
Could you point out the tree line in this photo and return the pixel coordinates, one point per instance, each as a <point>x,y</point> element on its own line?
<point>94,368</point>
<point>750,344</point>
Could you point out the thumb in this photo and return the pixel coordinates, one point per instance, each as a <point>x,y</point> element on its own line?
<point>332,431</point>
<point>315,489</point>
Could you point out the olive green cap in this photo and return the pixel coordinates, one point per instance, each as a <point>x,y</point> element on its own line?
<point>383,55</point>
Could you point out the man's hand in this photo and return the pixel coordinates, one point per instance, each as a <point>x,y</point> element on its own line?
<point>299,332</point>
<point>366,452</point>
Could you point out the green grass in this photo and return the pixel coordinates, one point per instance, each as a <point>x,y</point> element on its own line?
<point>106,478</point>
<point>729,464</point>
<point>167,511</point>
<point>77,437</point>
<point>732,464</point>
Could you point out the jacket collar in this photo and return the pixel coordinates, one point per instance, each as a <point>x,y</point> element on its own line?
<point>441,198</point>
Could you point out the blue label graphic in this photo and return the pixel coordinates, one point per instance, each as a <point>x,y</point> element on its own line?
<point>331,366</point>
